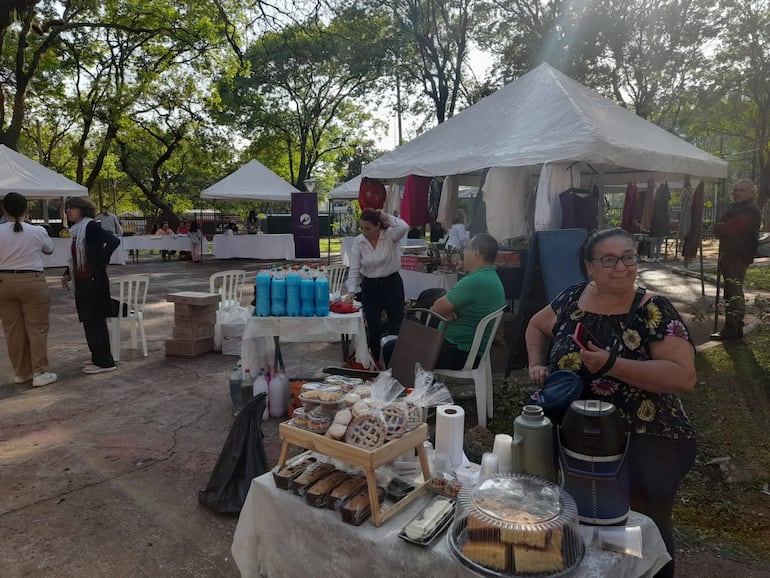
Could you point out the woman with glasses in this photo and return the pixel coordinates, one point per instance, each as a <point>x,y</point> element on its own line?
<point>640,367</point>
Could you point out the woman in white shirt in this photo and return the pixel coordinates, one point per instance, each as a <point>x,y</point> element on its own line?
<point>458,236</point>
<point>375,260</point>
<point>25,302</point>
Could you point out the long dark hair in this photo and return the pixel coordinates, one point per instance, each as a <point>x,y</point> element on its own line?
<point>86,206</point>
<point>371,216</point>
<point>15,205</point>
<point>194,227</point>
<point>594,238</point>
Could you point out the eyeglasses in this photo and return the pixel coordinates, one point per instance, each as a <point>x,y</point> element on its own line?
<point>610,261</point>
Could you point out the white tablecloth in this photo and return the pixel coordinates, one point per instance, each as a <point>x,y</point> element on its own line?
<point>62,253</point>
<point>347,244</point>
<point>162,242</point>
<point>279,535</point>
<point>254,246</point>
<point>416,282</point>
<point>257,347</point>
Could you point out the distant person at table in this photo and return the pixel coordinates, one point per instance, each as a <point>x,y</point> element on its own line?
<point>196,240</point>
<point>232,226</point>
<point>183,229</point>
<point>91,249</point>
<point>738,234</point>
<point>154,228</point>
<point>458,235</point>
<point>109,222</point>
<point>252,223</point>
<point>475,296</point>
<point>25,302</point>
<point>164,231</point>
<point>375,259</point>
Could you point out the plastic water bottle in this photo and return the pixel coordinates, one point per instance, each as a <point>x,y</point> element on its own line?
<point>263,294</point>
<point>235,389</point>
<point>260,386</point>
<point>279,394</point>
<point>321,294</point>
<point>278,294</point>
<point>292,294</point>
<point>307,294</point>
<point>247,386</point>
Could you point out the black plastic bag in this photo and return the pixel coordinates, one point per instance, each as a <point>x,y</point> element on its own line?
<point>242,459</point>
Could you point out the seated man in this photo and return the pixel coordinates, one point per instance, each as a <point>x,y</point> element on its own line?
<point>475,296</point>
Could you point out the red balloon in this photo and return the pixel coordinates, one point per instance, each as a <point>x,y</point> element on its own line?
<point>371,194</point>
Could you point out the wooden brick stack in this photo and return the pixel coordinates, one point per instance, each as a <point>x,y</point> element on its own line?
<point>195,315</point>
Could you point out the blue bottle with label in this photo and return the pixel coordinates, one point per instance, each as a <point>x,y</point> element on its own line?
<point>292,294</point>
<point>307,294</point>
<point>262,308</point>
<point>278,294</point>
<point>321,295</point>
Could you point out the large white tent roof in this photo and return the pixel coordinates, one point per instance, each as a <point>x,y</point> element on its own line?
<point>252,182</point>
<point>20,174</point>
<point>545,117</point>
<point>346,190</point>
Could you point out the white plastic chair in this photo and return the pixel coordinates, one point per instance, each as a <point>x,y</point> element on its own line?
<point>336,275</point>
<point>131,297</point>
<point>229,285</point>
<point>482,375</point>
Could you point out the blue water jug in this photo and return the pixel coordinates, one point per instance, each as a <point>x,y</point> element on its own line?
<point>278,296</point>
<point>307,297</point>
<point>292,294</point>
<point>262,308</point>
<point>321,295</point>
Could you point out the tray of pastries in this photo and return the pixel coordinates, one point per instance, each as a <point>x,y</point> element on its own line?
<point>516,525</point>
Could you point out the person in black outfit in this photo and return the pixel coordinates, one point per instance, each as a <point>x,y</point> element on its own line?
<point>738,234</point>
<point>92,248</point>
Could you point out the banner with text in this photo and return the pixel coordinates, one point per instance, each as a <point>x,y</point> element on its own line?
<point>304,225</point>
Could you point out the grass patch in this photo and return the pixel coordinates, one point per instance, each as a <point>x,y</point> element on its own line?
<point>758,278</point>
<point>336,245</point>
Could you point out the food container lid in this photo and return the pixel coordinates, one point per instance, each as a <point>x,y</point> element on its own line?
<point>513,501</point>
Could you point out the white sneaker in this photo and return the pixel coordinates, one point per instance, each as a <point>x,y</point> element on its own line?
<point>22,378</point>
<point>41,379</point>
<point>90,368</point>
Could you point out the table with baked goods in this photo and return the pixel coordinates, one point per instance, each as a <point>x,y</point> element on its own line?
<point>279,246</point>
<point>279,535</point>
<point>257,345</point>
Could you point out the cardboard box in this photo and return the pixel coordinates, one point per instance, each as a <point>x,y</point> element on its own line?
<point>187,309</point>
<point>410,262</point>
<point>194,321</point>
<point>194,298</point>
<point>192,333</point>
<point>189,349</point>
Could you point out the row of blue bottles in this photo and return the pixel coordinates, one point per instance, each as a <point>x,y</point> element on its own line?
<point>262,291</point>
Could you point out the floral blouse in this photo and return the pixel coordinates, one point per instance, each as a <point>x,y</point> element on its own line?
<point>644,412</point>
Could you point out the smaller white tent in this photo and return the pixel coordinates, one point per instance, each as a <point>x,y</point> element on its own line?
<point>252,182</point>
<point>346,190</point>
<point>20,174</point>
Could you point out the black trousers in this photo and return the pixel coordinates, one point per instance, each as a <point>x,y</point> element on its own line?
<point>98,339</point>
<point>378,295</point>
<point>656,466</point>
<point>733,270</point>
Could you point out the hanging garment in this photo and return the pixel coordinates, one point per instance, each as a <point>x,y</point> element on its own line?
<point>649,203</point>
<point>580,208</point>
<point>392,199</point>
<point>434,199</point>
<point>448,205</point>
<point>659,226</point>
<point>414,206</point>
<point>479,217</point>
<point>685,213</point>
<point>692,241</point>
<point>554,178</point>
<point>505,193</point>
<point>629,208</point>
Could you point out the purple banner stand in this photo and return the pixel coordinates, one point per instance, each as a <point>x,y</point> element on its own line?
<point>304,225</point>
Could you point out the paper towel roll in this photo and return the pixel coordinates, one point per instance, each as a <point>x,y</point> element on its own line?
<point>450,420</point>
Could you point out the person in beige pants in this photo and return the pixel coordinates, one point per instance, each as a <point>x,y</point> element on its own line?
<point>24,299</point>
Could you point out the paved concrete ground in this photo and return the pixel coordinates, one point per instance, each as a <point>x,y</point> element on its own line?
<point>99,473</point>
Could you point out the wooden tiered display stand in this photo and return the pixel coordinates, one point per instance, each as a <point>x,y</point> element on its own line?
<point>367,460</point>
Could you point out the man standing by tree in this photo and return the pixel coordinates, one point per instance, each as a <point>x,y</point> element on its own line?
<point>109,222</point>
<point>738,233</point>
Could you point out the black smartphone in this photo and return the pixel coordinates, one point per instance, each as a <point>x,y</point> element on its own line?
<point>583,337</point>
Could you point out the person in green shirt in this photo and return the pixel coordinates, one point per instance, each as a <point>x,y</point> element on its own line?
<point>475,296</point>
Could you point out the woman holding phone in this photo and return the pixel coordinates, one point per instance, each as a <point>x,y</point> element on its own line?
<point>639,362</point>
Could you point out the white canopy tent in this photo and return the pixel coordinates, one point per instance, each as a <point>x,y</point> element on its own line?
<point>546,117</point>
<point>22,175</point>
<point>347,190</point>
<point>252,182</point>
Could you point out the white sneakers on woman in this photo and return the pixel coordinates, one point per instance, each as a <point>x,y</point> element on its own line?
<point>41,379</point>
